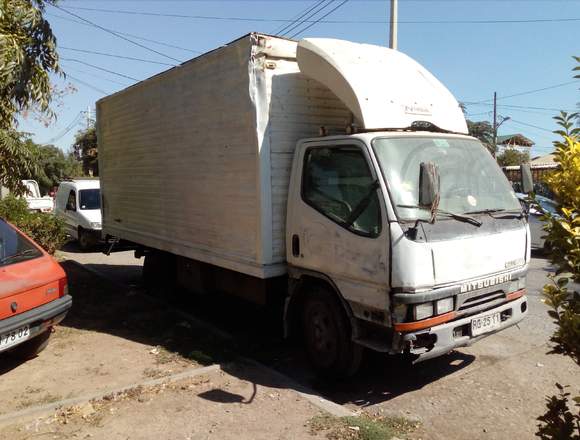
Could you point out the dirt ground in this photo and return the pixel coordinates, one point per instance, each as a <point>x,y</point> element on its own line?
<point>216,405</point>
<point>115,338</point>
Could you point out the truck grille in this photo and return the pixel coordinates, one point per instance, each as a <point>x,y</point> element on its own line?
<point>480,301</point>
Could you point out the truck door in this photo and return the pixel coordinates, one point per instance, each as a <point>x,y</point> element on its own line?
<point>336,220</point>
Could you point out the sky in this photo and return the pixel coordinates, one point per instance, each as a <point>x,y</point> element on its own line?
<point>491,49</point>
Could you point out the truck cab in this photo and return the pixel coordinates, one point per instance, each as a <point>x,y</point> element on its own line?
<point>409,278</point>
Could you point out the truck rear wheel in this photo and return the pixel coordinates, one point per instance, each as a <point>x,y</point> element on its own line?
<point>159,274</point>
<point>327,336</point>
<point>32,347</point>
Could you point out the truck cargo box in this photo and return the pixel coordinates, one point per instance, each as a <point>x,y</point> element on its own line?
<point>196,160</point>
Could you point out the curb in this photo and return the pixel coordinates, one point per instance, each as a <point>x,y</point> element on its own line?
<point>41,409</point>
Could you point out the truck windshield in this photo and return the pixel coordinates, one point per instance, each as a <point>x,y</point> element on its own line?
<point>90,198</point>
<point>14,247</point>
<point>471,181</point>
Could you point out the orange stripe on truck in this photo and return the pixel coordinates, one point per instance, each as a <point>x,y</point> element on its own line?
<point>515,295</point>
<point>424,323</point>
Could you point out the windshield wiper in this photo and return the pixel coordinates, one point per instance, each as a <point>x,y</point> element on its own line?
<point>24,253</point>
<point>505,213</point>
<point>453,215</point>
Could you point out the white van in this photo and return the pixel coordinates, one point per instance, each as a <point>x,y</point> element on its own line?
<point>78,203</point>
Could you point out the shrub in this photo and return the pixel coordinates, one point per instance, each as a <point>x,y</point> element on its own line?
<point>45,229</point>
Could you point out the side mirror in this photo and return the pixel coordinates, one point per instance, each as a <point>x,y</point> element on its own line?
<point>428,184</point>
<point>527,183</point>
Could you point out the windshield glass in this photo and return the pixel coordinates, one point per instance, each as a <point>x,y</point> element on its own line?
<point>471,180</point>
<point>14,247</point>
<point>90,199</point>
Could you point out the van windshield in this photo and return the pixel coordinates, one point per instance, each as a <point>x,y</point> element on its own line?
<point>90,198</point>
<point>14,247</point>
<point>471,180</point>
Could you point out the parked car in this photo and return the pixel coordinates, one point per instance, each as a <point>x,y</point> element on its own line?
<point>33,293</point>
<point>78,203</point>
<point>534,219</point>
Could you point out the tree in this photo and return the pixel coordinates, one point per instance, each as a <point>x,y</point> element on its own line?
<point>511,156</point>
<point>483,131</point>
<point>55,166</point>
<point>18,160</point>
<point>27,57</point>
<point>563,237</point>
<point>85,150</point>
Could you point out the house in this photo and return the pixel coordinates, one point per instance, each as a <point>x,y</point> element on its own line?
<point>516,141</point>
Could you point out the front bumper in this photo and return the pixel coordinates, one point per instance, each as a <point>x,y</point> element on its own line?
<point>445,337</point>
<point>38,319</point>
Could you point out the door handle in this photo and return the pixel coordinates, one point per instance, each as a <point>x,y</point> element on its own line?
<point>295,245</point>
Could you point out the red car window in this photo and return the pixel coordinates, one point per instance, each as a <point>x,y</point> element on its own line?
<point>15,247</point>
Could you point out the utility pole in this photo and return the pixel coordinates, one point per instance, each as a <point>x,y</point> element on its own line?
<point>494,123</point>
<point>88,116</point>
<point>393,34</point>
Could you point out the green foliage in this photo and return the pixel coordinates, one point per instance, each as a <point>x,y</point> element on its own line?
<point>54,167</point>
<point>27,56</point>
<point>563,237</point>
<point>483,131</point>
<point>559,423</point>
<point>45,229</point>
<point>85,149</point>
<point>360,428</point>
<point>511,156</point>
<point>18,160</point>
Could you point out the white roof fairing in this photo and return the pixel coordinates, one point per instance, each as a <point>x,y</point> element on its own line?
<point>382,87</point>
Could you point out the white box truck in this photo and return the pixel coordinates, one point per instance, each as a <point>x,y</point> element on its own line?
<point>336,175</point>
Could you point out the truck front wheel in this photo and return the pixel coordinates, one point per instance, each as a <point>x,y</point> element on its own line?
<point>328,337</point>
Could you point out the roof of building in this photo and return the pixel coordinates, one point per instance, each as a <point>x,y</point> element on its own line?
<point>515,139</point>
<point>546,161</point>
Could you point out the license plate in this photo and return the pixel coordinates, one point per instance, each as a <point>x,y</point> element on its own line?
<point>485,324</point>
<point>17,336</point>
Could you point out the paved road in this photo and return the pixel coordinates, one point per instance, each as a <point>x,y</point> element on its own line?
<point>492,390</point>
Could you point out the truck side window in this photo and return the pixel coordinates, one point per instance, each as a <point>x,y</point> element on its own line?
<point>337,182</point>
<point>71,203</point>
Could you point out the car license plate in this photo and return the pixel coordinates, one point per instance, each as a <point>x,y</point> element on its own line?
<point>7,340</point>
<point>485,324</point>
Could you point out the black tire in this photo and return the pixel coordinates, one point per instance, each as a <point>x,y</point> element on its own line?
<point>327,336</point>
<point>85,240</point>
<point>159,274</point>
<point>31,348</point>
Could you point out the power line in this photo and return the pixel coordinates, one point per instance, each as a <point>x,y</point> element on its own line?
<point>527,92</point>
<point>115,56</point>
<point>317,21</point>
<point>138,37</point>
<point>282,20</point>
<point>297,17</point>
<point>319,7</point>
<point>67,68</point>
<point>66,130</point>
<point>531,125</point>
<point>112,32</point>
<point>100,68</point>
<point>90,86</point>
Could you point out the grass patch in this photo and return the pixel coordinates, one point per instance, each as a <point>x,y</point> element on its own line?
<point>361,428</point>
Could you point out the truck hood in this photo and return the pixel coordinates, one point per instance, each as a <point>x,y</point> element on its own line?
<point>424,265</point>
<point>91,215</point>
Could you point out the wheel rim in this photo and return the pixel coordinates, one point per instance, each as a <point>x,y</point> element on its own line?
<point>321,334</point>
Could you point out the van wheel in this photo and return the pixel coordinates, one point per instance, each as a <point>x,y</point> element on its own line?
<point>85,240</point>
<point>31,348</point>
<point>327,335</point>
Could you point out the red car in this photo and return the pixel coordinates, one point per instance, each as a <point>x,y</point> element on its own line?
<point>33,294</point>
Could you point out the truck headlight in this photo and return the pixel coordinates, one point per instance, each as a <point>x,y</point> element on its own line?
<point>95,225</point>
<point>444,305</point>
<point>423,311</point>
